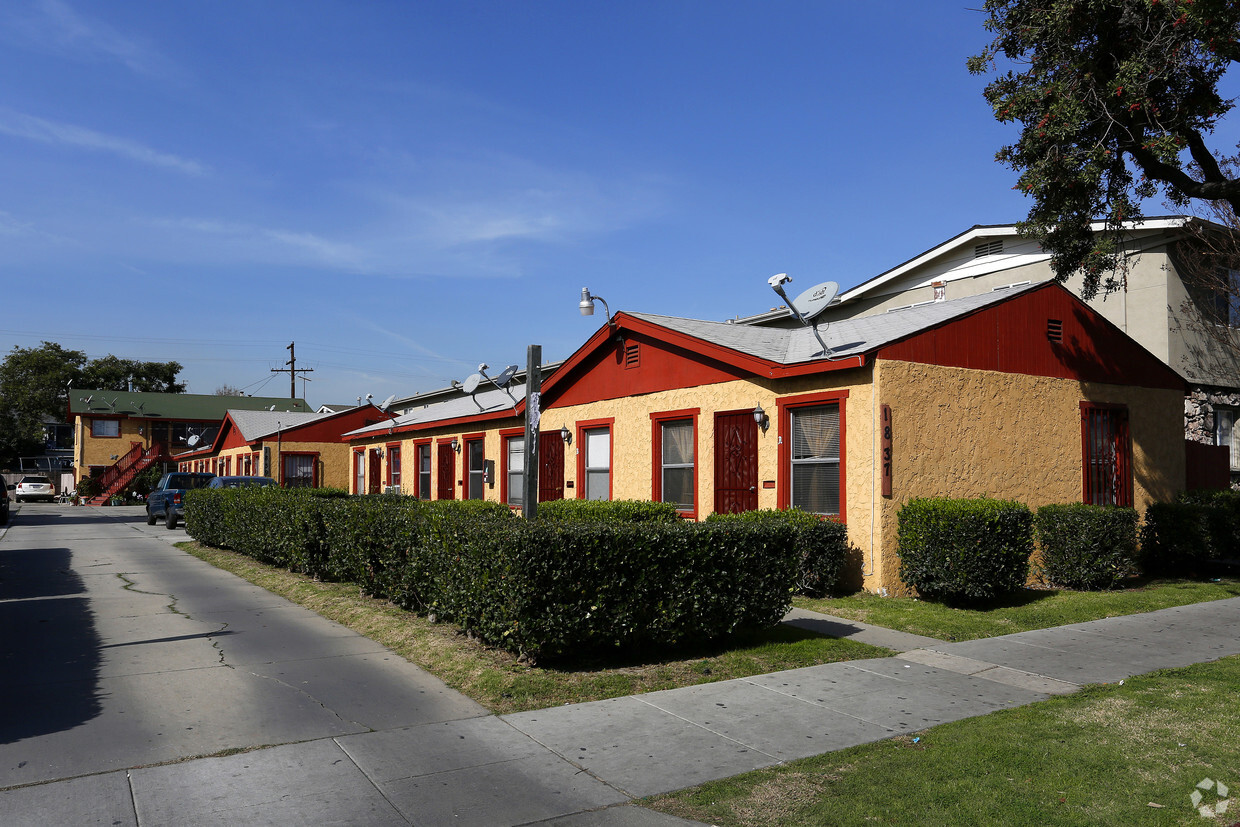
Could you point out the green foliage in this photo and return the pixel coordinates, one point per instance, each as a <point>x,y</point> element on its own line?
<point>1087,546</point>
<point>1115,98</point>
<point>34,383</point>
<point>611,511</point>
<point>89,487</point>
<point>821,545</point>
<point>1182,538</point>
<point>965,551</point>
<point>549,589</point>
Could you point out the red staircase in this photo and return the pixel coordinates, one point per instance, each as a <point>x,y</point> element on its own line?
<point>124,470</point>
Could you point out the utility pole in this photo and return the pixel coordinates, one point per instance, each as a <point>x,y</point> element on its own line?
<point>533,400</point>
<point>292,370</point>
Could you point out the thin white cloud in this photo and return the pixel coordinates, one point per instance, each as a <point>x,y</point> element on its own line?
<point>21,125</point>
<point>54,26</point>
<point>304,247</point>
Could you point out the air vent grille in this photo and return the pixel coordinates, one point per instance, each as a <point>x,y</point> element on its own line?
<point>988,248</point>
<point>1054,330</point>
<point>632,355</point>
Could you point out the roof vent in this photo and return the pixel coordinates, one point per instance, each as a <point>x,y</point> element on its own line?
<point>632,356</point>
<point>988,248</point>
<point>940,290</point>
<point>1054,330</point>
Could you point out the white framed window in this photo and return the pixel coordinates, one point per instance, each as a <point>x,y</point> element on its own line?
<point>598,463</point>
<point>815,458</point>
<point>105,428</point>
<point>515,469</point>
<point>1224,433</point>
<point>677,463</point>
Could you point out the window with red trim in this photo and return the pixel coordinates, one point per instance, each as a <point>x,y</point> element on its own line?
<point>422,456</point>
<point>674,459</point>
<point>393,465</point>
<point>300,470</point>
<point>105,428</point>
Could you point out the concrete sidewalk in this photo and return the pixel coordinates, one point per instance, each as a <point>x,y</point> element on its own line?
<point>583,764</point>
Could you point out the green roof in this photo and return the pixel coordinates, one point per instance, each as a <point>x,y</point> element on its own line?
<point>173,406</point>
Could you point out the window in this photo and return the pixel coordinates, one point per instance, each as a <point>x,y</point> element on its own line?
<point>393,466</point>
<point>514,469</point>
<point>105,428</point>
<point>598,464</point>
<point>1107,456</point>
<point>299,470</point>
<point>359,472</point>
<point>422,456</point>
<point>814,477</point>
<point>1224,433</point>
<point>477,469</point>
<point>674,438</point>
<point>1226,298</point>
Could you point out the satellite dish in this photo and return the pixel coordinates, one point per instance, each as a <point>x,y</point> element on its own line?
<point>193,440</point>
<point>383,406</point>
<point>472,382</point>
<point>815,300</point>
<point>504,378</point>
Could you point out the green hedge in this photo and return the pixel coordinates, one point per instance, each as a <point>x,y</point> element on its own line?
<point>610,511</point>
<point>821,545</point>
<point>965,551</point>
<point>1086,546</point>
<point>545,588</point>
<point>1183,538</point>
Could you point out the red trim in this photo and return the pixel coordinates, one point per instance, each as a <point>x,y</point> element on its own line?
<point>359,465</point>
<point>787,403</point>
<point>1093,489</point>
<point>417,469</point>
<point>656,445</point>
<point>467,471</point>
<point>590,425</point>
<point>504,436</point>
<point>387,454</point>
<point>94,419</point>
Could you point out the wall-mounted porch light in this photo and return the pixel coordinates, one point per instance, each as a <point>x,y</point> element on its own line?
<point>456,445</point>
<point>566,435</point>
<point>586,305</point>
<point>761,418</point>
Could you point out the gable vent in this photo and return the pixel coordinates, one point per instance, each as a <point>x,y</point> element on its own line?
<point>632,355</point>
<point>1054,330</point>
<point>988,248</point>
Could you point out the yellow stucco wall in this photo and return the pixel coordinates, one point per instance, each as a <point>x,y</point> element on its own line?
<point>969,433</point>
<point>89,450</point>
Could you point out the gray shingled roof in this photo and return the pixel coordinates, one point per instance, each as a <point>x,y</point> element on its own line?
<point>490,400</point>
<point>845,337</point>
<point>256,424</point>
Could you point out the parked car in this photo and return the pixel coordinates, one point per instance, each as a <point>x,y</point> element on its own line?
<point>167,499</point>
<point>241,482</point>
<point>35,488</point>
<point>4,502</point>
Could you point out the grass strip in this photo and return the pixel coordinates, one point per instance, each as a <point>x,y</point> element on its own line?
<point>501,683</point>
<point>1108,755</point>
<point>1032,609</point>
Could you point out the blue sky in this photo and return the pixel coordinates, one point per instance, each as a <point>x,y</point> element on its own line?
<point>407,189</point>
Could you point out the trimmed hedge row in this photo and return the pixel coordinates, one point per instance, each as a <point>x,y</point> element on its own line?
<point>821,546</point>
<point>608,511</point>
<point>544,588</point>
<point>1087,546</point>
<point>1184,537</point>
<point>965,551</point>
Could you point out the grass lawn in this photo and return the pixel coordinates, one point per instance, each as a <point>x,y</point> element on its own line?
<point>1110,754</point>
<point>499,682</point>
<point>1033,609</point>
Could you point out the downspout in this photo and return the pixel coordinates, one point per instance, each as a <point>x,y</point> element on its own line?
<point>874,443</point>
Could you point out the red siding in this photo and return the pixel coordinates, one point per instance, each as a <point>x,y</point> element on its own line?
<point>1011,337</point>
<point>663,366</point>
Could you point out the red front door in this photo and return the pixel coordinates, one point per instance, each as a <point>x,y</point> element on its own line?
<point>446,489</point>
<point>550,467</point>
<point>373,486</point>
<point>736,462</point>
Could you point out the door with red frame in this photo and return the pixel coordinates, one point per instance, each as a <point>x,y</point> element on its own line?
<point>736,462</point>
<point>550,467</point>
<point>374,484</point>
<point>446,488</point>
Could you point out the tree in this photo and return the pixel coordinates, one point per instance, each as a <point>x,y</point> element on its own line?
<point>228,390</point>
<point>1116,100</point>
<point>34,385</point>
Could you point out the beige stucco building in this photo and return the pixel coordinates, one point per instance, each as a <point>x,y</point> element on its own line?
<point>1026,394</point>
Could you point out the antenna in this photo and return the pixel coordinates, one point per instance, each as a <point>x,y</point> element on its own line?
<point>807,305</point>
